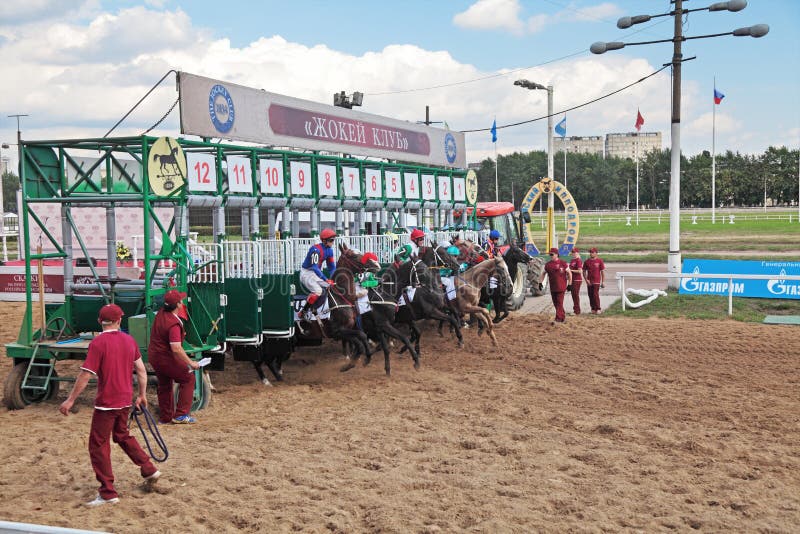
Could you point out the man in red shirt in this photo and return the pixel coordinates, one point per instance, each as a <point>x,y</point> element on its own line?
<point>559,277</point>
<point>112,358</point>
<point>576,268</point>
<point>170,362</point>
<point>594,273</point>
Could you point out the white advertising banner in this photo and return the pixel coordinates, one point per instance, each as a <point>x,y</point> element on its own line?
<point>218,109</point>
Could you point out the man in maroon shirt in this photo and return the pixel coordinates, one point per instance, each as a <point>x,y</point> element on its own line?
<point>112,358</point>
<point>594,273</point>
<point>559,277</point>
<point>170,362</point>
<point>576,268</point>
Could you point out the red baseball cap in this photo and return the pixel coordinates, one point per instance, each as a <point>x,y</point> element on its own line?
<point>576,249</point>
<point>173,297</point>
<point>593,249</point>
<point>110,313</point>
<point>554,250</point>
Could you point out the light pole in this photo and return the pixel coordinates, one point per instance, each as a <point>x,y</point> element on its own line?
<point>551,228</point>
<point>759,30</point>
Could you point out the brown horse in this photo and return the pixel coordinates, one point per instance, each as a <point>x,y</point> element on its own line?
<point>469,285</point>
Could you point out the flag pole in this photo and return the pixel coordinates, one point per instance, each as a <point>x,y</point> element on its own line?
<point>496,164</point>
<point>637,178</point>
<point>714,156</point>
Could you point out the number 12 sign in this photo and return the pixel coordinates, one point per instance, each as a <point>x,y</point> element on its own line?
<point>202,172</point>
<point>240,174</point>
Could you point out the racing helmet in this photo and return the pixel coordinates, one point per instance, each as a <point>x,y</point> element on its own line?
<point>494,234</point>
<point>327,233</point>
<point>417,234</point>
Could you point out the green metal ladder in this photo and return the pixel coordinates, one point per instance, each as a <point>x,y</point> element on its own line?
<point>38,381</point>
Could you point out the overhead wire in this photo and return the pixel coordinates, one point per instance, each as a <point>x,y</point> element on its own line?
<point>640,80</point>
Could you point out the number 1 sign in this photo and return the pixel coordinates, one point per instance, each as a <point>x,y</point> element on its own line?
<point>240,175</point>
<point>202,172</point>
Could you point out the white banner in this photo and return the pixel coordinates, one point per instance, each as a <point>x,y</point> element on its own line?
<point>217,109</point>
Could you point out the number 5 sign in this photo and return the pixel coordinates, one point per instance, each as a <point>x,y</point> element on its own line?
<point>373,183</point>
<point>202,172</point>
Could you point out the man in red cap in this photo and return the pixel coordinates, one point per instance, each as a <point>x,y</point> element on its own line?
<point>594,273</point>
<point>170,362</point>
<point>576,268</point>
<point>559,277</point>
<point>112,358</point>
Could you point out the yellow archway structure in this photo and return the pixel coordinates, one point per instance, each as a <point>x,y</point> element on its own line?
<point>545,186</point>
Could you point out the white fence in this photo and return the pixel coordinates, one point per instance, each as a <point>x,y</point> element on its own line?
<point>208,263</point>
<point>729,277</point>
<point>242,259</point>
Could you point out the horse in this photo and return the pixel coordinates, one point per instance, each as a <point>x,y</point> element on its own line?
<point>428,298</point>
<point>468,289</point>
<point>499,296</point>
<point>167,159</point>
<point>378,323</point>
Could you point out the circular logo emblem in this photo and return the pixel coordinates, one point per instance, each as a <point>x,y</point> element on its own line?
<point>450,148</point>
<point>220,109</point>
<point>472,187</point>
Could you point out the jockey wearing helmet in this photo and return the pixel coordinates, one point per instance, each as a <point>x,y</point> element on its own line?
<point>311,274</point>
<point>407,251</point>
<point>491,246</point>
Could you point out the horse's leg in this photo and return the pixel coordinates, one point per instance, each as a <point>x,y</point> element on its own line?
<point>483,314</point>
<point>385,347</point>
<point>394,332</point>
<point>260,372</point>
<point>435,313</point>
<point>359,341</point>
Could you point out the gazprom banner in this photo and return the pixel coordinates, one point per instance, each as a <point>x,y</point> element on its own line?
<point>213,108</point>
<point>776,288</point>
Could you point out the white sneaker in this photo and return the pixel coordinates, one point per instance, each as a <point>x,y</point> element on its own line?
<point>99,501</point>
<point>152,479</point>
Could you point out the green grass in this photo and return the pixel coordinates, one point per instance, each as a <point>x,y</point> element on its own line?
<point>675,305</point>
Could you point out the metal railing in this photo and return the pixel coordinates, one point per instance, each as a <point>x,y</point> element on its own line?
<point>277,256</point>
<point>620,276</point>
<point>242,259</point>
<point>208,264</point>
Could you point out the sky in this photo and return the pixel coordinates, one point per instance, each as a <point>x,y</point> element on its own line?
<point>75,67</point>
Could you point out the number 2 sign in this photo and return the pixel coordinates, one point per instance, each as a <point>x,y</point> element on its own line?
<point>202,169</point>
<point>240,174</point>
<point>445,193</point>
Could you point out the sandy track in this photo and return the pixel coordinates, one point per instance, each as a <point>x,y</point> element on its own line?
<point>601,424</point>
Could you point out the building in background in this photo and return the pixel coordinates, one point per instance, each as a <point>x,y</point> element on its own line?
<point>623,145</point>
<point>591,144</point>
<point>5,165</point>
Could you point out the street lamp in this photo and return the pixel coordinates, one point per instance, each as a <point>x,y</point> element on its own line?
<point>526,84</point>
<point>759,30</point>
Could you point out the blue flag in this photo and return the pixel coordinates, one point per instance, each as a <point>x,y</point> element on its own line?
<point>561,127</point>
<point>494,131</point>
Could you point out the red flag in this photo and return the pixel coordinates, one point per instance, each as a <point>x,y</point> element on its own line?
<point>639,121</point>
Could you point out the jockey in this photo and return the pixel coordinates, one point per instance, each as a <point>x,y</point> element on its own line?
<point>311,274</point>
<point>411,249</point>
<point>448,276</point>
<point>490,246</point>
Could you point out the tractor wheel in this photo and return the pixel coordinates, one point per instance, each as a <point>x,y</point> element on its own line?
<point>15,398</point>
<point>204,390</point>
<point>519,289</point>
<point>535,270</point>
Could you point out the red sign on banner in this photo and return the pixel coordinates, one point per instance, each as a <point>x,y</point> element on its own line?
<point>320,126</point>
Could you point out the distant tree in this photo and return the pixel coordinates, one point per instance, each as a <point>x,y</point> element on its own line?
<point>10,188</point>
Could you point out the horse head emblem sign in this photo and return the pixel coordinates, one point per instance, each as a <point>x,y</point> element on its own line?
<point>166,166</point>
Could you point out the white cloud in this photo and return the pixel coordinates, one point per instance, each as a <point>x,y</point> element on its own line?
<point>598,12</point>
<point>492,15</point>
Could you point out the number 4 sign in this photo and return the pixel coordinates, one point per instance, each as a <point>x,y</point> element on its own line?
<point>202,172</point>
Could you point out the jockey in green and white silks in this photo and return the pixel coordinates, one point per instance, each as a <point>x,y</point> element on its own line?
<point>411,249</point>
<point>448,276</point>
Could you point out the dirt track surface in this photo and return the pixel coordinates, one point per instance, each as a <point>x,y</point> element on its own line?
<point>600,424</point>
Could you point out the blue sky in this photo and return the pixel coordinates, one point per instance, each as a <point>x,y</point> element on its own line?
<point>83,63</point>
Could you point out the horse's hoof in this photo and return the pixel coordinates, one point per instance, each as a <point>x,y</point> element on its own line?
<point>266,382</point>
<point>366,361</point>
<point>460,343</point>
<point>388,372</point>
<point>347,367</point>
<point>416,366</point>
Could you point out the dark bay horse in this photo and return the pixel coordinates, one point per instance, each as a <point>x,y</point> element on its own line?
<point>499,296</point>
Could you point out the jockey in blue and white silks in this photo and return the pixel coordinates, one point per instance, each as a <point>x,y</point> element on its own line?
<point>311,273</point>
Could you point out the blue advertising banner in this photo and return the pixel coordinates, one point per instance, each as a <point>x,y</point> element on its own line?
<point>777,288</point>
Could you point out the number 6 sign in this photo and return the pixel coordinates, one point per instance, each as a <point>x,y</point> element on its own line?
<point>373,183</point>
